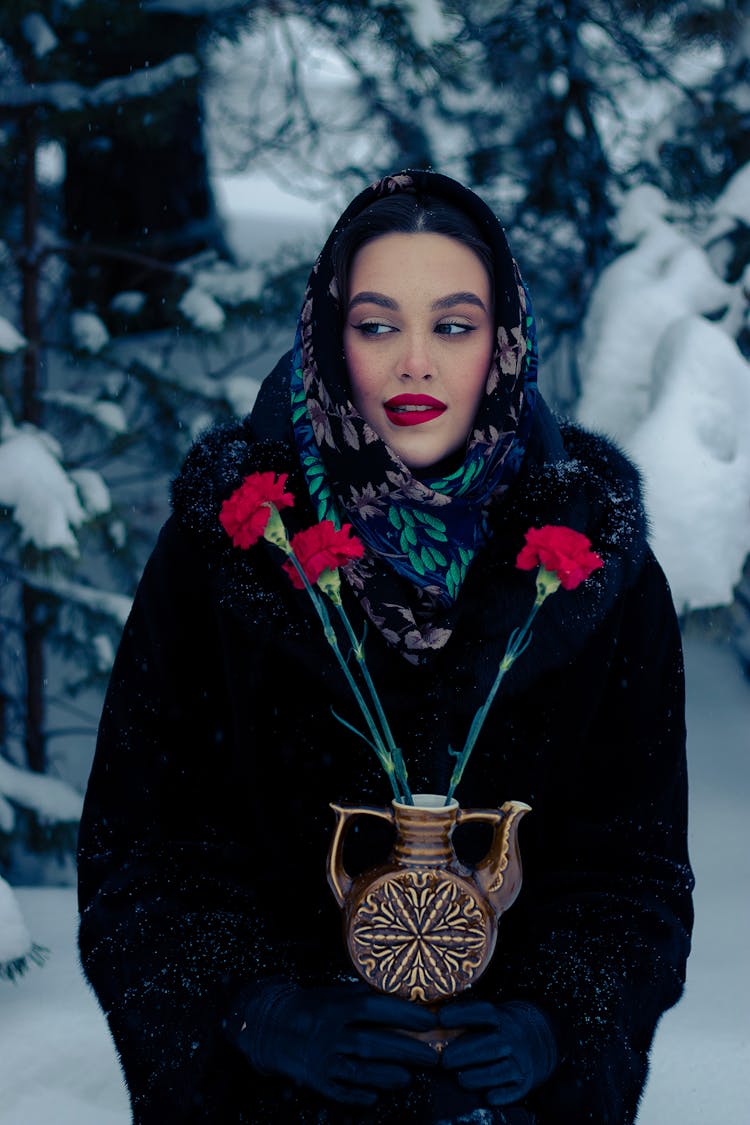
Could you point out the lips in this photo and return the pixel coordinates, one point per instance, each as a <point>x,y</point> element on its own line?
<point>413,410</point>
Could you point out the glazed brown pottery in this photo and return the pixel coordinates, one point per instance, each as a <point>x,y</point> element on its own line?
<point>422,925</point>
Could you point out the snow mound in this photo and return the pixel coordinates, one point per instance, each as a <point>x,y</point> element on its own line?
<point>694,452</point>
<point>663,279</point>
<point>15,940</point>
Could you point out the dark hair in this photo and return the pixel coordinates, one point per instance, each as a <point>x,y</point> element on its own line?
<point>405,214</point>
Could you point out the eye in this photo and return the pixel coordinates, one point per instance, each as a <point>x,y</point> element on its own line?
<point>453,328</point>
<point>373,328</point>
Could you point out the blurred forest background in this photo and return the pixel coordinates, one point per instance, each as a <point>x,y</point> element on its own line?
<point>612,138</point>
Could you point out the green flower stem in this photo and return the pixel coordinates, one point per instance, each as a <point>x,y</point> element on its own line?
<point>519,641</point>
<point>358,649</point>
<point>384,756</point>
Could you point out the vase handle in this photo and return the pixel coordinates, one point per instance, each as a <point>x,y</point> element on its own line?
<point>339,880</point>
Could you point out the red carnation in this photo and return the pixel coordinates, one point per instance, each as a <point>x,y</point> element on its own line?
<point>245,514</point>
<point>561,551</point>
<point>321,548</point>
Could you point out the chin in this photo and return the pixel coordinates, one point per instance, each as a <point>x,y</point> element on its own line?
<point>438,465</point>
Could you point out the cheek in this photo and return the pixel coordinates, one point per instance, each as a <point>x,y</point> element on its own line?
<point>362,378</point>
<point>479,371</point>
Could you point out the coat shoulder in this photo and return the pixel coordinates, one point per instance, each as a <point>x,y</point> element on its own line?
<point>225,454</point>
<point>580,478</point>
<point>216,465</point>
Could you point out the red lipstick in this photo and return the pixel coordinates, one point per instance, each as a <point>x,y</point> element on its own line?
<point>413,410</point>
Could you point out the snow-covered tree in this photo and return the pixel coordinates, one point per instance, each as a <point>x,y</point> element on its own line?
<point>91,424</point>
<point>664,361</point>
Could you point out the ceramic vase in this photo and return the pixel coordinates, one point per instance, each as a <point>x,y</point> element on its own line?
<point>422,925</point>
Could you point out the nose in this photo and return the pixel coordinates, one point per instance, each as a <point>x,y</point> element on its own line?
<point>416,360</point>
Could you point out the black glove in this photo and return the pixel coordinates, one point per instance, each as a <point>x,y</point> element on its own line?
<point>340,1040</point>
<point>505,1051</point>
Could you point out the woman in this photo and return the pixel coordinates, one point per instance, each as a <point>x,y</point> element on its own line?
<point>207,929</point>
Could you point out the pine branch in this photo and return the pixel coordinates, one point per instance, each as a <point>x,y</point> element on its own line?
<point>69,97</point>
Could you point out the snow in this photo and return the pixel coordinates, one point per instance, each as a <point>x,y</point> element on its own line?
<point>229,284</point>
<point>53,800</point>
<point>428,22</point>
<point>661,374</point>
<point>104,652</point>
<point>116,606</point>
<point>664,278</point>
<point>15,940</point>
<point>129,302</point>
<point>58,1063</point>
<point>735,198</point>
<point>93,492</point>
<point>11,340</point>
<point>89,332</point>
<point>201,310</point>
<point>108,414</point>
<point>38,34</point>
<point>34,485</point>
<point>69,96</point>
<point>694,451</point>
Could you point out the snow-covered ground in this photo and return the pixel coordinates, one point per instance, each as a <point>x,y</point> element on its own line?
<point>58,1067</point>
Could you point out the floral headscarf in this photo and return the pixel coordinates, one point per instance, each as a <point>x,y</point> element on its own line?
<point>420,534</point>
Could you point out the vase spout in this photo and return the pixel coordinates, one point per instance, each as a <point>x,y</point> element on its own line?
<point>499,874</point>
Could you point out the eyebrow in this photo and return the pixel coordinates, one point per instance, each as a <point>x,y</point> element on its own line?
<point>464,297</point>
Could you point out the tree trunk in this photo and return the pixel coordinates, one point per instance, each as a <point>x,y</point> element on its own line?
<point>138,180</point>
<point>33,632</point>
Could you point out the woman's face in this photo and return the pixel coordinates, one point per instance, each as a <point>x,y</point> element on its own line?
<point>418,341</point>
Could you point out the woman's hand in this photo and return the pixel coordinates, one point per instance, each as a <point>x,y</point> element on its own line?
<point>342,1040</point>
<point>505,1051</point>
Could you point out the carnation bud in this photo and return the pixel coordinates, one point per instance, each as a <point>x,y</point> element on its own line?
<point>275,532</point>
<point>330,583</point>
<point>547,582</point>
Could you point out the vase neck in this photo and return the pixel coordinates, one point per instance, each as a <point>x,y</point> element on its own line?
<point>423,835</point>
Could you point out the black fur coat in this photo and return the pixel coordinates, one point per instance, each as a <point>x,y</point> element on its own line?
<point>206,822</point>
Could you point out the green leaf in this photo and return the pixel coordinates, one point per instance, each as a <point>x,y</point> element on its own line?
<point>416,563</point>
<point>474,469</point>
<point>427,557</point>
<point>430,520</point>
<point>452,585</point>
<point>394,518</point>
<point>438,556</point>
<point>440,536</point>
<point>409,536</point>
<point>408,517</point>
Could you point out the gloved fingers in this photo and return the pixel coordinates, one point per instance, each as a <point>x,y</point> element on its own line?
<point>394,1012</point>
<point>370,1075</point>
<point>468,1013</point>
<point>507,1095</point>
<point>377,1043</point>
<point>474,1048</point>
<point>493,1076</point>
